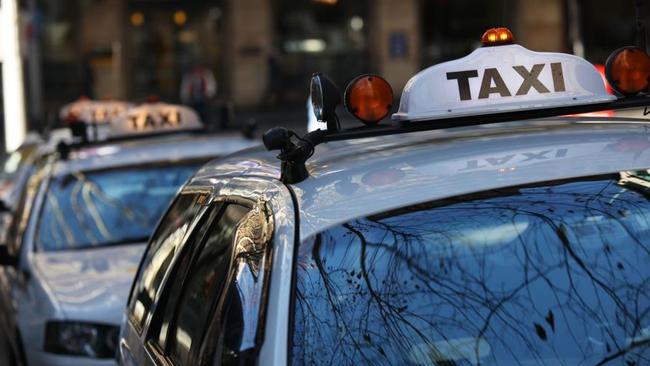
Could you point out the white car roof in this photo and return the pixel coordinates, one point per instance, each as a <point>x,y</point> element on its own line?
<point>163,148</point>
<point>356,178</point>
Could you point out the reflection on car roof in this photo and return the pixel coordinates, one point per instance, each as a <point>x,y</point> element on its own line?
<point>150,150</point>
<point>349,177</point>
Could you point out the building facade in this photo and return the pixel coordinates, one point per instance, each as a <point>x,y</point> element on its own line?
<point>262,52</point>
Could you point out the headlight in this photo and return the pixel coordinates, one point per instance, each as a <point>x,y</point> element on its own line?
<point>81,339</point>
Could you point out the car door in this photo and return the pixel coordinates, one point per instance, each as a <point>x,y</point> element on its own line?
<point>14,290</point>
<point>217,296</point>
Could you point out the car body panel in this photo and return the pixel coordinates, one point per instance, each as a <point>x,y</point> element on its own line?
<point>278,196</point>
<point>151,150</point>
<point>90,284</point>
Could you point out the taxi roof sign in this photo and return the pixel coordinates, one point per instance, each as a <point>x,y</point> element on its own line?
<point>93,111</point>
<point>155,118</point>
<point>501,79</point>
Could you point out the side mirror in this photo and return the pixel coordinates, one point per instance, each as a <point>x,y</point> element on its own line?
<point>325,97</point>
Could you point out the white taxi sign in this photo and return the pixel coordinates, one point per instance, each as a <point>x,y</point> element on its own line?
<point>501,79</point>
<point>155,117</point>
<point>92,111</point>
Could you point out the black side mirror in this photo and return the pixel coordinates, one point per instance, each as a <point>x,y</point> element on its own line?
<point>325,97</point>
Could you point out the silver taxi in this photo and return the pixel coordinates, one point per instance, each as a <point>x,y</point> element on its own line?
<point>465,234</point>
<point>80,230</point>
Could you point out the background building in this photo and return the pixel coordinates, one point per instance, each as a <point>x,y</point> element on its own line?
<point>262,52</point>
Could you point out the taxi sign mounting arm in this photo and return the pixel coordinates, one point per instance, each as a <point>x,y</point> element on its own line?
<point>292,155</point>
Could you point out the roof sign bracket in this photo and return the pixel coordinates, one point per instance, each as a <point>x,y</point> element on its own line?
<point>293,155</point>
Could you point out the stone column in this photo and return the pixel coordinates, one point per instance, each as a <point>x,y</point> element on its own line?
<point>394,40</point>
<point>103,25</point>
<point>248,39</point>
<point>540,25</point>
<point>13,89</point>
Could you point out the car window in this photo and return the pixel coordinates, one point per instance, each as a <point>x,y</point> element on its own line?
<point>552,273</point>
<point>108,207</point>
<point>160,252</point>
<point>203,285</point>
<point>171,293</point>
<point>236,330</point>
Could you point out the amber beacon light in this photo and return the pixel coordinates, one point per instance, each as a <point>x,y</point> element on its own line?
<point>628,70</point>
<point>497,37</point>
<point>369,98</point>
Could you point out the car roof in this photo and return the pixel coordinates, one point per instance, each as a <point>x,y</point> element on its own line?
<point>357,178</point>
<point>166,148</point>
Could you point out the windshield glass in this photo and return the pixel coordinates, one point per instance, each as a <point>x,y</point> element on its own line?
<point>550,274</point>
<point>111,207</point>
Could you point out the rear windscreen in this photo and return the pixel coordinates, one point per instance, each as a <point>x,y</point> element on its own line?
<point>551,274</point>
<point>111,207</point>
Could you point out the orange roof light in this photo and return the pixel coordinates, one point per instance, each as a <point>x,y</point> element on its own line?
<point>497,37</point>
<point>152,99</point>
<point>369,98</point>
<point>628,70</point>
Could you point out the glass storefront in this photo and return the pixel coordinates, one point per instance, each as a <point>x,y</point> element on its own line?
<point>166,39</point>
<point>65,74</point>
<point>452,29</point>
<point>328,36</point>
<point>606,26</point>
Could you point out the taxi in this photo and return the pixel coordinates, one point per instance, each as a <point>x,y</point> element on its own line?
<point>490,224</point>
<point>81,226</point>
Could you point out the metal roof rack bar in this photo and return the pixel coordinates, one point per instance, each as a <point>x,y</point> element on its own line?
<point>294,155</point>
<point>476,120</point>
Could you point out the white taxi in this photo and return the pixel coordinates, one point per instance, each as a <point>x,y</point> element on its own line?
<point>469,232</point>
<point>81,227</point>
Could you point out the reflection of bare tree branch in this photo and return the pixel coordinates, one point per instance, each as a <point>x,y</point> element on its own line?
<point>77,211</point>
<point>396,282</point>
<point>622,352</point>
<point>389,312</point>
<point>330,290</point>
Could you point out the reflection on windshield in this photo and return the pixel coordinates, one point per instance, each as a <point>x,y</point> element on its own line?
<point>107,207</point>
<point>551,274</point>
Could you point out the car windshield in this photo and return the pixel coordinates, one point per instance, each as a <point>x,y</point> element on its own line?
<point>556,273</point>
<point>110,207</point>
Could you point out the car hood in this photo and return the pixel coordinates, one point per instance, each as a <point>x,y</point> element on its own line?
<point>91,284</point>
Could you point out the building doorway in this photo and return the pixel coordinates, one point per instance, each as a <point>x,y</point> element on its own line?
<point>166,39</point>
<point>328,36</point>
